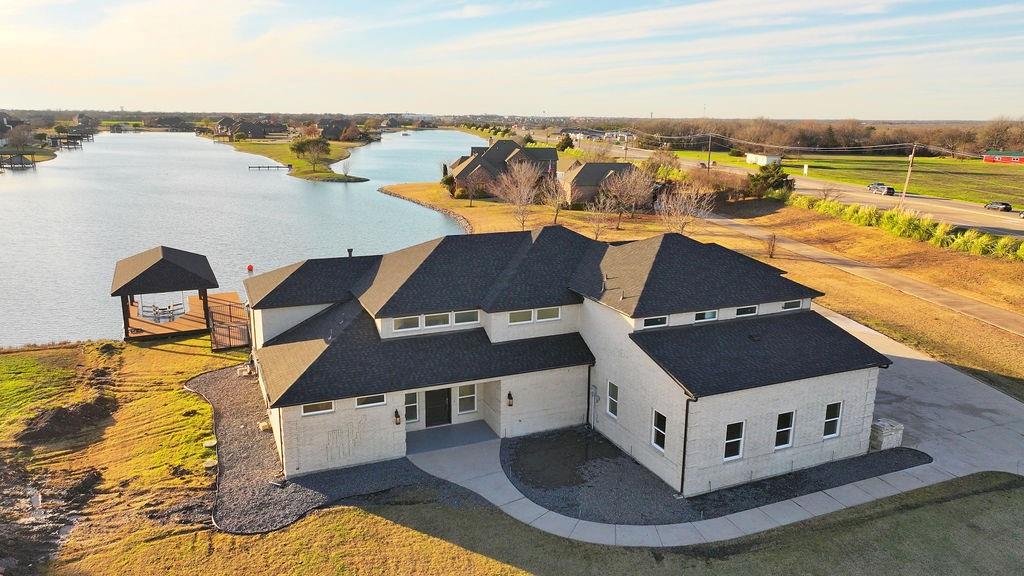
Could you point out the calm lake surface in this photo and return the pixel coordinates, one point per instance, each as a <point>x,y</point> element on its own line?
<point>65,224</point>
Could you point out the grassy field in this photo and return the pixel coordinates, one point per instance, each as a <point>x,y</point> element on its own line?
<point>150,455</point>
<point>969,180</point>
<point>979,348</point>
<point>301,168</point>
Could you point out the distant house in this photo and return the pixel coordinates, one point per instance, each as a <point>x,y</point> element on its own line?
<point>333,128</point>
<point>86,121</point>
<point>223,126</point>
<point>1003,157</point>
<point>764,159</point>
<point>586,179</point>
<point>174,123</point>
<point>390,122</point>
<point>255,129</point>
<point>486,164</point>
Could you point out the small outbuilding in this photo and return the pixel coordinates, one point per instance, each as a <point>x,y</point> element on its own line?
<point>764,159</point>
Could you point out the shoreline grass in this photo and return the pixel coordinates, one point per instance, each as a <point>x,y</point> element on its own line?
<point>279,151</point>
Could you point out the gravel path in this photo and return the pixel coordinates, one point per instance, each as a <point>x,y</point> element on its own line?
<point>579,473</point>
<point>247,502</point>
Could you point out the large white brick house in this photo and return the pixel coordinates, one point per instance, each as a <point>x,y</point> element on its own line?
<point>708,367</point>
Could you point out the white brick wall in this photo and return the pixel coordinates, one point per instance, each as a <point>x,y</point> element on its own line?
<point>643,387</point>
<point>499,330</point>
<point>759,408</point>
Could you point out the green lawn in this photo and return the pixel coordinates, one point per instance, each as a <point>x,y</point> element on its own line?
<point>301,168</point>
<point>969,180</point>
<point>32,381</point>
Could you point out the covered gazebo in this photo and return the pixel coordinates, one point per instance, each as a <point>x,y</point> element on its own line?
<point>152,286</point>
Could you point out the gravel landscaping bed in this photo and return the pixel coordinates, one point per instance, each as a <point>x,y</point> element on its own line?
<point>246,500</point>
<point>579,473</point>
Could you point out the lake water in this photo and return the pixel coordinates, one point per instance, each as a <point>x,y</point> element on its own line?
<point>65,224</point>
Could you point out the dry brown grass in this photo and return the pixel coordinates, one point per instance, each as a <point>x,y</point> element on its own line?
<point>987,352</point>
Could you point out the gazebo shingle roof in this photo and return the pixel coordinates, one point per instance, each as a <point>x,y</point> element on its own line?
<point>162,269</point>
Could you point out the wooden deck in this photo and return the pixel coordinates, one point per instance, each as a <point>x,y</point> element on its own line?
<point>229,320</point>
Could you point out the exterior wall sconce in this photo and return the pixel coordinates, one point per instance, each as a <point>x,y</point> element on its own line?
<point>398,418</point>
<point>509,397</point>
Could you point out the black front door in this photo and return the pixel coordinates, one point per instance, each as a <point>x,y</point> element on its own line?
<point>439,406</point>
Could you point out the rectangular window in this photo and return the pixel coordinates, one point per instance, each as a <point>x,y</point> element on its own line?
<point>791,305</point>
<point>544,314</point>
<point>467,317</point>
<point>705,316</point>
<point>467,398</point>
<point>435,320</point>
<point>656,321</point>
<point>317,408</point>
<point>784,430</point>
<point>613,399</point>
<point>520,317</point>
<point>833,414</point>
<point>746,310</point>
<point>367,401</point>
<point>658,428</point>
<point>407,323</point>
<point>734,441</point>
<point>412,407</point>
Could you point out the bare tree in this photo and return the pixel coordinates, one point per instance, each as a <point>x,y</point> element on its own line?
<point>599,151</point>
<point>830,192</point>
<point>475,182</point>
<point>20,136</point>
<point>628,189</point>
<point>599,214</point>
<point>518,186</point>
<point>679,208</point>
<point>555,196</point>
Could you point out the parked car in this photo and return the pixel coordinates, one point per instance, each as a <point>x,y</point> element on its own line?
<point>876,186</point>
<point>884,190</point>
<point>1000,206</point>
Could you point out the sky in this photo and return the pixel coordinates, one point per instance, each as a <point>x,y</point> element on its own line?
<point>869,59</point>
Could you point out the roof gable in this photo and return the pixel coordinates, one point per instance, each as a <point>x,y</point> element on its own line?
<point>313,281</point>
<point>162,269</point>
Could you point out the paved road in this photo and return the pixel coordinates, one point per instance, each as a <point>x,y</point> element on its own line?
<point>952,211</point>
<point>965,425</point>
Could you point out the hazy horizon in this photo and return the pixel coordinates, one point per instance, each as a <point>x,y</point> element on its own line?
<point>883,60</point>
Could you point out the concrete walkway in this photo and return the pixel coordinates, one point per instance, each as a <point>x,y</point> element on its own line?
<point>998,317</point>
<point>965,425</point>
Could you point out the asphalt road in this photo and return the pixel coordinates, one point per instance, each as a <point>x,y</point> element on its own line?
<point>955,212</point>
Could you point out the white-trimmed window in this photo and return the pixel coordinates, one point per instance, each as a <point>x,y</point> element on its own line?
<point>406,323</point>
<point>791,305</point>
<point>412,407</point>
<point>746,311</point>
<point>734,441</point>
<point>549,314</point>
<point>375,400</point>
<point>655,321</point>
<point>317,408</point>
<point>612,406</point>
<point>520,317</point>
<point>467,317</point>
<point>833,417</point>
<point>658,426</point>
<point>437,320</point>
<point>784,430</point>
<point>705,316</point>
<point>467,398</point>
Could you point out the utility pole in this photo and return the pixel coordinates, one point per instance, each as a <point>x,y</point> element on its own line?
<point>709,154</point>
<point>910,168</point>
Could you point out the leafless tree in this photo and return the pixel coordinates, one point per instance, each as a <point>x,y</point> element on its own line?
<point>555,196</point>
<point>518,187</point>
<point>679,208</point>
<point>628,189</point>
<point>830,192</point>
<point>597,151</point>
<point>476,182</point>
<point>20,136</point>
<point>599,214</point>
<point>769,245</point>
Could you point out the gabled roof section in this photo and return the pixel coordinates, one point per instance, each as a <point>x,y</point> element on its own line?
<point>338,354</point>
<point>314,281</point>
<point>594,173</point>
<point>671,273</point>
<point>162,269</point>
<point>731,355</point>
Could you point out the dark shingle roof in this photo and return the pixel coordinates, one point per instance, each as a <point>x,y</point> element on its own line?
<point>594,173</point>
<point>672,273</point>
<point>731,355</point>
<point>162,269</point>
<point>338,354</point>
<point>314,281</point>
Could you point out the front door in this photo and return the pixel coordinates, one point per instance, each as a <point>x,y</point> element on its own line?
<point>439,407</point>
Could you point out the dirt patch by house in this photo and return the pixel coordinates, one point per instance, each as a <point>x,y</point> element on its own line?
<point>64,421</point>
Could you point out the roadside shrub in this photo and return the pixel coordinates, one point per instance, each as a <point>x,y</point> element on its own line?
<point>801,201</point>
<point>973,242</point>
<point>943,235</point>
<point>921,229</point>
<point>899,222</point>
<point>830,207</point>
<point>867,216</point>
<point>1006,247</point>
<point>736,153</point>
<point>1020,252</point>
<point>781,195</point>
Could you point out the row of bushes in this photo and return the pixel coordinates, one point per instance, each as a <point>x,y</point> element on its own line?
<point>911,224</point>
